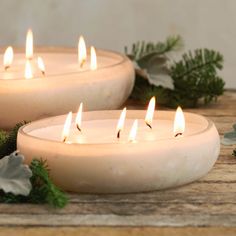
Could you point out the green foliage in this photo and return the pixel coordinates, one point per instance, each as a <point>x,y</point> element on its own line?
<point>195,75</point>
<point>8,140</point>
<point>143,91</point>
<point>144,51</point>
<point>234,152</point>
<point>43,190</point>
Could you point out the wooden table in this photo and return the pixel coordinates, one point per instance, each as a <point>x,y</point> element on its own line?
<point>206,207</point>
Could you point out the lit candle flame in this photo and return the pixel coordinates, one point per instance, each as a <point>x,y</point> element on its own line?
<point>78,119</point>
<point>28,70</point>
<point>179,122</point>
<point>93,57</point>
<point>82,52</point>
<point>41,65</point>
<point>8,58</point>
<point>133,131</point>
<point>150,112</point>
<point>120,124</point>
<point>66,129</point>
<point>29,48</point>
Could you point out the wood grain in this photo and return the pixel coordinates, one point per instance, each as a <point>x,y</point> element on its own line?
<point>205,207</point>
<point>115,231</point>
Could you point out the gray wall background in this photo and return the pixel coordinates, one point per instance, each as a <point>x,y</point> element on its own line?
<point>112,24</point>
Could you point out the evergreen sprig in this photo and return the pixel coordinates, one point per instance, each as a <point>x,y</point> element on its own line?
<point>43,189</point>
<point>195,76</point>
<point>8,140</point>
<point>142,50</point>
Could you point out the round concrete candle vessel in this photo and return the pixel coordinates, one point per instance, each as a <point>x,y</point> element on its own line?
<point>95,161</point>
<point>63,86</point>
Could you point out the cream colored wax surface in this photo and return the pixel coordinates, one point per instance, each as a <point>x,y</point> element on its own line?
<point>104,131</point>
<point>55,63</point>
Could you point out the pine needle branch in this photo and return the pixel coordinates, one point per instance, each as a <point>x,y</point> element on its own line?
<point>200,60</point>
<point>8,140</point>
<point>196,77</point>
<point>143,50</point>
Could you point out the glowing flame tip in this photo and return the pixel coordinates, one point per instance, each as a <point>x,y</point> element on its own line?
<point>133,131</point>
<point>78,119</point>
<point>93,58</point>
<point>150,112</point>
<point>120,124</point>
<point>82,52</point>
<point>41,65</point>
<point>66,128</point>
<point>29,48</point>
<point>179,123</point>
<point>8,57</point>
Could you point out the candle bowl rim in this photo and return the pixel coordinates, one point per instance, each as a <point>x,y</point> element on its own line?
<point>123,59</point>
<point>22,131</point>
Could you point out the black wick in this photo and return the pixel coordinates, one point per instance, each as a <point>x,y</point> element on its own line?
<point>149,125</point>
<point>118,134</point>
<point>178,134</point>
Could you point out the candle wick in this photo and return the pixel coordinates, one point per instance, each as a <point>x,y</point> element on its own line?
<point>43,73</point>
<point>178,134</point>
<point>6,68</point>
<point>64,140</point>
<point>149,125</point>
<point>78,128</point>
<point>82,63</point>
<point>118,134</point>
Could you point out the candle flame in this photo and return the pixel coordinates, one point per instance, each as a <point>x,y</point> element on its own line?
<point>78,119</point>
<point>93,56</point>
<point>120,124</point>
<point>82,52</point>
<point>179,122</point>
<point>133,131</point>
<point>41,65</point>
<point>29,49</point>
<point>150,112</point>
<point>28,70</point>
<point>66,128</point>
<point>8,58</point>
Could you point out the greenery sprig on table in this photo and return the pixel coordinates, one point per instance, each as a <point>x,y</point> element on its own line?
<point>229,138</point>
<point>43,190</point>
<point>186,82</point>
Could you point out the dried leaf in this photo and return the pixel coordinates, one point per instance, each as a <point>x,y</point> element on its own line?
<point>14,175</point>
<point>229,138</point>
<point>163,80</point>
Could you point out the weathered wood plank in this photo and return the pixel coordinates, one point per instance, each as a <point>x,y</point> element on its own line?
<point>122,231</point>
<point>125,209</point>
<point>158,220</point>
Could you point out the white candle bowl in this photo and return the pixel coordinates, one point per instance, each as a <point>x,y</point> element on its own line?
<point>155,161</point>
<point>64,85</point>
